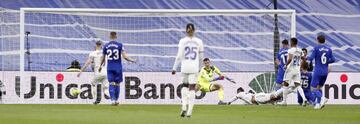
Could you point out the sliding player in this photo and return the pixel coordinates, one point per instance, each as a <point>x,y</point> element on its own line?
<point>256,98</point>
<point>323,57</point>
<point>292,73</point>
<point>306,77</point>
<point>113,51</point>
<point>281,59</point>
<point>99,77</point>
<point>206,76</point>
<point>190,53</point>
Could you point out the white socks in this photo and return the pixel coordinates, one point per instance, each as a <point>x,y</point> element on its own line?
<point>184,98</point>
<point>191,100</point>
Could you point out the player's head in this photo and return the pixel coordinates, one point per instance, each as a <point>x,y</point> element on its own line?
<point>113,35</point>
<point>304,50</point>
<point>240,89</point>
<point>98,44</point>
<point>293,41</point>
<point>321,39</point>
<point>285,43</point>
<point>207,62</point>
<point>190,29</point>
<point>304,66</point>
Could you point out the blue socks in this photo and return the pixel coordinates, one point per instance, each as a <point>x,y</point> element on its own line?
<point>317,94</point>
<point>114,91</point>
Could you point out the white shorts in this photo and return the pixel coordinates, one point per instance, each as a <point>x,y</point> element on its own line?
<point>99,79</point>
<point>189,78</point>
<point>292,76</point>
<point>262,98</point>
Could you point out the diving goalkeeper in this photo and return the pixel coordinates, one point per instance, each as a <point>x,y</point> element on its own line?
<point>206,76</point>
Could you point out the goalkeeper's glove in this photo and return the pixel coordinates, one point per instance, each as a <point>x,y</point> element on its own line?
<point>218,78</point>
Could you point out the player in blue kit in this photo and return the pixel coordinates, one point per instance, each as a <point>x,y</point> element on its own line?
<point>305,84</point>
<point>323,57</point>
<point>281,60</point>
<point>113,51</point>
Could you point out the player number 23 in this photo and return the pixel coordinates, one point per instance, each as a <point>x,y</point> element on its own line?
<point>190,53</point>
<point>113,54</point>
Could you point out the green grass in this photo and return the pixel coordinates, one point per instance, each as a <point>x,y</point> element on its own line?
<point>169,114</point>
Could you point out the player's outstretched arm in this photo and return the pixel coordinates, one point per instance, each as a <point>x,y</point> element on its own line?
<point>87,63</point>
<point>178,58</point>
<point>127,58</point>
<point>102,62</point>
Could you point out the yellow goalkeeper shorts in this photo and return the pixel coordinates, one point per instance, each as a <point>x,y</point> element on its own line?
<point>205,87</point>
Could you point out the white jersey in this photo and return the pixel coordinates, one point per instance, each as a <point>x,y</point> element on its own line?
<point>188,54</point>
<point>95,57</point>
<point>295,63</point>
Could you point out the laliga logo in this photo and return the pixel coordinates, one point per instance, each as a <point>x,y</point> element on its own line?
<point>50,87</point>
<point>343,89</point>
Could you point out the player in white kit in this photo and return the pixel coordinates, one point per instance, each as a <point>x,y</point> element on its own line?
<point>190,54</point>
<point>292,77</point>
<point>256,98</point>
<point>99,77</point>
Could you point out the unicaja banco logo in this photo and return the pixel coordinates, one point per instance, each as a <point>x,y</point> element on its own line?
<point>342,89</point>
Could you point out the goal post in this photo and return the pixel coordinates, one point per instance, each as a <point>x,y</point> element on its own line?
<point>235,40</point>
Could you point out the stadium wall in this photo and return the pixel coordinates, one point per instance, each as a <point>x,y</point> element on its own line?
<point>146,88</point>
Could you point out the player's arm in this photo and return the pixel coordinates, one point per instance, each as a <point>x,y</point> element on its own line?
<point>178,58</point>
<point>126,57</point>
<point>312,56</point>
<point>102,59</point>
<point>290,57</point>
<point>277,60</point>
<point>332,58</point>
<point>87,63</point>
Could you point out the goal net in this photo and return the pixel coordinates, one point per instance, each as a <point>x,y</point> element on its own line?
<point>235,40</point>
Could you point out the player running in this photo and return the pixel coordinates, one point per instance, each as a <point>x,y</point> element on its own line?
<point>113,51</point>
<point>99,77</point>
<point>292,73</point>
<point>190,53</point>
<point>206,76</point>
<point>323,57</point>
<point>281,60</point>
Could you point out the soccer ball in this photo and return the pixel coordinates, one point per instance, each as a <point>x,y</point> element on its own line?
<point>74,91</point>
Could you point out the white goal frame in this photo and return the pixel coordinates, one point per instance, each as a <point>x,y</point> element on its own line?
<point>291,12</point>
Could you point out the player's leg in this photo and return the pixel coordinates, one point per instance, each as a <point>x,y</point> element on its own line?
<point>184,94</point>
<point>191,94</point>
<point>300,100</point>
<point>94,83</point>
<point>111,78</point>
<point>118,80</point>
<point>316,93</point>
<point>299,89</point>
<point>220,89</point>
<point>323,99</point>
<point>279,80</point>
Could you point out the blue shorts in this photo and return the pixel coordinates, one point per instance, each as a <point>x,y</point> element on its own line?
<point>115,76</point>
<point>280,76</point>
<point>318,80</point>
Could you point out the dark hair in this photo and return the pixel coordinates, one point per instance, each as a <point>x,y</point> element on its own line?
<point>98,43</point>
<point>240,89</point>
<point>304,49</point>
<point>75,64</point>
<point>285,42</point>
<point>305,65</point>
<point>206,59</point>
<point>294,41</point>
<point>321,39</point>
<point>113,35</point>
<point>190,25</point>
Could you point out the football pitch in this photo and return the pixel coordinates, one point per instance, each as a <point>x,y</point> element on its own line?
<point>169,114</point>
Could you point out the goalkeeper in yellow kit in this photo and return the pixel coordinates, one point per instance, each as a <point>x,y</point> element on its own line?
<point>206,76</point>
